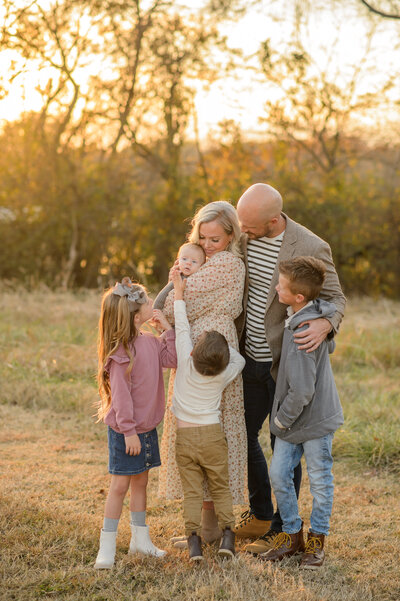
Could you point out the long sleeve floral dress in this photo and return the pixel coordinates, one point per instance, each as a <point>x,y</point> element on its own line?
<point>213,298</point>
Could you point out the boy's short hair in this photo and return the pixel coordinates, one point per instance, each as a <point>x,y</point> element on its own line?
<point>197,247</point>
<point>210,354</point>
<point>306,276</point>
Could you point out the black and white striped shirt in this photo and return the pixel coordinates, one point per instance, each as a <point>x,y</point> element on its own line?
<point>262,255</point>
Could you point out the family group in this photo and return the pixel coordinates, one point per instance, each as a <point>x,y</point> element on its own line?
<point>246,325</point>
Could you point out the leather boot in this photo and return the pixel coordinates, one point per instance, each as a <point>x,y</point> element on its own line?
<point>227,546</point>
<point>194,546</point>
<point>285,545</point>
<point>314,554</point>
<point>251,527</point>
<point>262,544</point>
<point>210,531</point>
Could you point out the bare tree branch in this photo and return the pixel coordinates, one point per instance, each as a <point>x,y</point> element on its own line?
<point>381,13</point>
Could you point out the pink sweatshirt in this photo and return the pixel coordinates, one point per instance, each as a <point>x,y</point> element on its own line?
<point>138,400</point>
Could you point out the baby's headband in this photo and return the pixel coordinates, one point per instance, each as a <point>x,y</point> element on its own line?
<point>136,296</point>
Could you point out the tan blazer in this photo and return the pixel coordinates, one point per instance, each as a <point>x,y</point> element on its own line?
<point>297,241</point>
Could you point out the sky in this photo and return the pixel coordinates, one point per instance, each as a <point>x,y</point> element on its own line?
<point>336,38</point>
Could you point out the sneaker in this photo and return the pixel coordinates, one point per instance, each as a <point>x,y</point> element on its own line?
<point>250,526</point>
<point>262,544</point>
<point>227,546</point>
<point>194,546</point>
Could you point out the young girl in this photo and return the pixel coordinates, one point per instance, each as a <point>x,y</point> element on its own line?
<point>132,404</point>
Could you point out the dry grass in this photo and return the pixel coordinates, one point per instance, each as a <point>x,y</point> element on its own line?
<point>54,481</point>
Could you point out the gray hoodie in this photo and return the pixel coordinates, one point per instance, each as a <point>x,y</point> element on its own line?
<point>306,401</point>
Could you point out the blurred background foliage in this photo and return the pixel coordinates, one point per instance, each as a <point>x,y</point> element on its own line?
<point>103,179</point>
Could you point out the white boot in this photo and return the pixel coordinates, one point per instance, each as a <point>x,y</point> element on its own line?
<point>106,554</point>
<point>141,542</point>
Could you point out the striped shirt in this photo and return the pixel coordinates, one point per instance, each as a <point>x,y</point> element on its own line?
<point>262,255</point>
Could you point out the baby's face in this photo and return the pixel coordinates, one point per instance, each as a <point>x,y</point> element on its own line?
<point>190,260</point>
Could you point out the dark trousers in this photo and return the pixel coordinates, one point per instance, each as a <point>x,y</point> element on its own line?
<point>259,390</point>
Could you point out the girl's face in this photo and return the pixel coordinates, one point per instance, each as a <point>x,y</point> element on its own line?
<point>145,313</point>
<point>213,238</point>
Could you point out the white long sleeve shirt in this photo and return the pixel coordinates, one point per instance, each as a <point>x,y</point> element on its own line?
<point>197,398</point>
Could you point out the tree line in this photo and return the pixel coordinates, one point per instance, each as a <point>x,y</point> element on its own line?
<point>103,179</point>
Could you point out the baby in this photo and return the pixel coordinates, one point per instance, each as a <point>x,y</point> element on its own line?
<point>190,258</point>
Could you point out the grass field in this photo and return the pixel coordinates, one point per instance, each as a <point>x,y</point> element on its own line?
<point>54,477</point>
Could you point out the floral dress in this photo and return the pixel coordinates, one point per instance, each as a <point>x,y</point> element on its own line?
<point>213,298</point>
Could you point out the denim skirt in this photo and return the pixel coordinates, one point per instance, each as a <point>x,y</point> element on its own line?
<point>120,463</point>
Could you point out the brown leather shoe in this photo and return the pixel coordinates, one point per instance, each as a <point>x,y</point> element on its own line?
<point>285,545</point>
<point>262,544</point>
<point>194,546</point>
<point>314,554</point>
<point>227,546</point>
<point>250,526</point>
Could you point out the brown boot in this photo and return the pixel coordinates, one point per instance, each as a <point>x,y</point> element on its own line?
<point>250,526</point>
<point>285,545</point>
<point>262,544</point>
<point>194,546</point>
<point>314,554</point>
<point>210,531</point>
<point>227,546</point>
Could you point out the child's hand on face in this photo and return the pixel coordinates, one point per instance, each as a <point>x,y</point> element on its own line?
<point>179,285</point>
<point>160,321</point>
<point>132,445</point>
<point>174,268</point>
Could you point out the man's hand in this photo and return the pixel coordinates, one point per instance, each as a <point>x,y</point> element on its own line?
<point>132,445</point>
<point>179,285</point>
<point>311,338</point>
<point>160,321</point>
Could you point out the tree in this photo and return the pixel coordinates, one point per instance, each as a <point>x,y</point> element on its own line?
<point>387,9</point>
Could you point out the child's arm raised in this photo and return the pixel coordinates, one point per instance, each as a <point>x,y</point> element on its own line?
<point>166,342</point>
<point>179,284</point>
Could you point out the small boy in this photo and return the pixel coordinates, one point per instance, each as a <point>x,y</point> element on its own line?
<point>190,258</point>
<point>305,414</point>
<point>203,371</point>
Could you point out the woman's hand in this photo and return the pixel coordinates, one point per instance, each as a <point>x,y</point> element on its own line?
<point>160,321</point>
<point>132,445</point>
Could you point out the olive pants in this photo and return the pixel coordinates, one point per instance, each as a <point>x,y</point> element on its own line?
<point>203,451</point>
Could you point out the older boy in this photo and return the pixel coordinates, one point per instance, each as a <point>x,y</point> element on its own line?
<point>305,414</point>
<point>203,371</point>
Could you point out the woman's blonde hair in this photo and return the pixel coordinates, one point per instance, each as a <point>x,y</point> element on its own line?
<point>223,213</point>
<point>116,327</point>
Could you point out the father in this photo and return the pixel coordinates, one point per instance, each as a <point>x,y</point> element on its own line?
<point>271,236</point>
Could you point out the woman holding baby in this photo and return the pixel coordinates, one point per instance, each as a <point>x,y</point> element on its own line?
<point>213,296</point>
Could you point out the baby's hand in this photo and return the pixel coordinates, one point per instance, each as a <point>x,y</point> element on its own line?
<point>160,321</point>
<point>132,445</point>
<point>179,285</point>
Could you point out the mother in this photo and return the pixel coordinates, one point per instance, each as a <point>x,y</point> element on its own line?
<point>213,298</point>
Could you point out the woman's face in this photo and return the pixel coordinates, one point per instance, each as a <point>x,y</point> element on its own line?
<point>213,238</point>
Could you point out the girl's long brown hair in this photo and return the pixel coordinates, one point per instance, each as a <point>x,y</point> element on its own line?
<point>116,327</point>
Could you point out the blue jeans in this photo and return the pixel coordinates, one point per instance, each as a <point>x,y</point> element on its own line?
<point>259,391</point>
<point>318,456</point>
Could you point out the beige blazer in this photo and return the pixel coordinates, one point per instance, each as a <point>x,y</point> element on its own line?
<point>297,241</point>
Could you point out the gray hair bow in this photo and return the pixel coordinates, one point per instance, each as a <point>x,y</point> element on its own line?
<point>136,296</point>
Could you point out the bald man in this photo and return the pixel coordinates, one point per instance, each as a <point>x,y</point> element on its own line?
<point>271,237</point>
